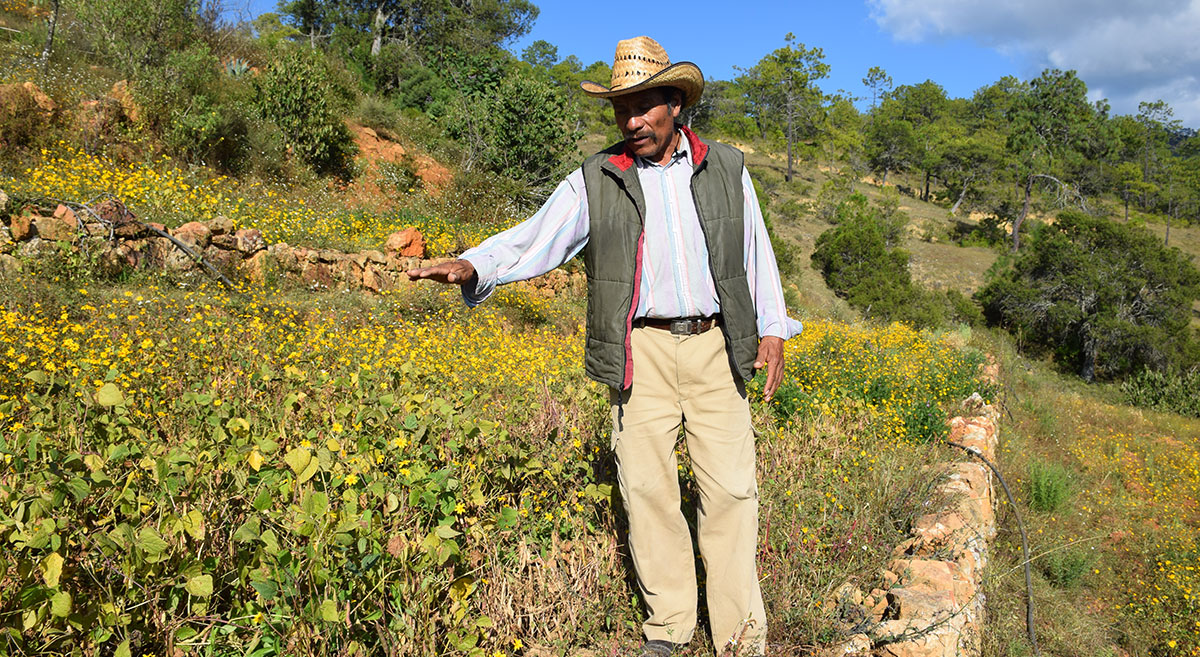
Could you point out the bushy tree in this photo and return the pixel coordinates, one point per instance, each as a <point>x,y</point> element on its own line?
<point>138,35</point>
<point>861,262</point>
<point>1104,297</point>
<point>297,93</point>
<point>1050,117</point>
<point>782,89</point>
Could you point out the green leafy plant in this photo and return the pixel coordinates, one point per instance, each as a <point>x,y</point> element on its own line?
<point>1065,568</point>
<point>1049,486</point>
<point>297,94</point>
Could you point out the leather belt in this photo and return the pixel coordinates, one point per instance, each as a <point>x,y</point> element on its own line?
<point>680,326</point>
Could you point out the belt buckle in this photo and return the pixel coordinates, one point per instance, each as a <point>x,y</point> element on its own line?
<point>684,326</point>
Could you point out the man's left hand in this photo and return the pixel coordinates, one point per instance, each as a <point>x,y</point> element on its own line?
<point>770,354</point>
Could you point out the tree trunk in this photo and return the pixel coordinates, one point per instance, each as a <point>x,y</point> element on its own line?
<point>962,195</point>
<point>788,177</point>
<point>1126,207</point>
<point>377,28</point>
<point>1167,237</point>
<point>50,36</point>
<point>925,192</point>
<point>883,183</point>
<point>1016,234</point>
<point>1088,371</point>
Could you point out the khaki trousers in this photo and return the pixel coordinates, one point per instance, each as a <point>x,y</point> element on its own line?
<point>687,380</point>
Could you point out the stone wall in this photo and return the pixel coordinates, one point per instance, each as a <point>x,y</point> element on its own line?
<point>120,242</point>
<point>933,604</point>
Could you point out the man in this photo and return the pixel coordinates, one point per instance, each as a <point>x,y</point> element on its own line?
<point>684,304</point>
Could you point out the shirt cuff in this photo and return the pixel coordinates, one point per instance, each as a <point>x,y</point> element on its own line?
<point>485,280</point>
<point>786,329</point>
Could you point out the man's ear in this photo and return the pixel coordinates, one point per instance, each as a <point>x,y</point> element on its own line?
<point>676,104</point>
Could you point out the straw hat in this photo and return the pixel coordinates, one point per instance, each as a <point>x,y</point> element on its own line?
<point>640,64</point>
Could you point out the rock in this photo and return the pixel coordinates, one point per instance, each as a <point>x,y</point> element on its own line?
<point>6,240</point>
<point>317,274</point>
<point>120,93</point>
<point>934,576</point>
<point>975,432</point>
<point>226,262</point>
<point>257,267</point>
<point>286,257</point>
<point>910,605</point>
<point>941,642</point>
<point>329,255</point>
<point>250,240</point>
<point>194,234</point>
<point>9,266</point>
<point>377,280</point>
<point>407,243</point>
<point>97,121</point>
<point>858,644</point>
<point>375,257</point>
<point>220,225</point>
<point>35,247</point>
<point>848,593</point>
<point>62,227</point>
<point>3,202</point>
<point>124,223</point>
<point>227,242</point>
<point>16,97</point>
<point>21,226</point>
<point>348,272</point>
<point>156,252</point>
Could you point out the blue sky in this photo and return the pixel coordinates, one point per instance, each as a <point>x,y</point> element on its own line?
<point>1126,50</point>
<point>717,38</point>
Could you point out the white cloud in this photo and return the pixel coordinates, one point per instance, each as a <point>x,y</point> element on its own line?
<point>1126,50</point>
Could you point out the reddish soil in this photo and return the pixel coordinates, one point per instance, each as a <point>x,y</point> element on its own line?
<point>374,148</point>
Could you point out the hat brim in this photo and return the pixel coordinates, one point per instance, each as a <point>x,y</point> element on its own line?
<point>685,76</point>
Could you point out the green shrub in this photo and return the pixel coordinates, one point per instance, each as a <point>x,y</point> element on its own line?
<point>1169,390</point>
<point>21,120</point>
<point>963,309</point>
<point>298,94</point>
<point>1064,568</point>
<point>212,133</point>
<point>378,115</point>
<point>1105,298</point>
<point>925,422</point>
<point>861,263</point>
<point>1049,486</point>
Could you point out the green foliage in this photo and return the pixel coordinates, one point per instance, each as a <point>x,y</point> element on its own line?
<point>861,262</point>
<point>521,128</point>
<point>308,539</point>
<point>1064,568</point>
<point>237,67</point>
<point>297,93</point>
<point>1104,297</point>
<point>1167,390</point>
<point>184,74</point>
<point>21,120</point>
<point>1049,486</point>
<point>139,36</point>
<point>926,422</point>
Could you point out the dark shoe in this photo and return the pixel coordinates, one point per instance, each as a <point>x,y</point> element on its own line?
<point>660,648</point>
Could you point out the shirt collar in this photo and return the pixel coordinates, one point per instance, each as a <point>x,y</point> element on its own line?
<point>683,153</point>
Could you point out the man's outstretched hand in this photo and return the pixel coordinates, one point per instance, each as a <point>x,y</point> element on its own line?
<point>458,272</point>
<point>770,354</point>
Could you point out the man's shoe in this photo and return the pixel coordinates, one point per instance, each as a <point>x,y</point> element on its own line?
<point>660,648</point>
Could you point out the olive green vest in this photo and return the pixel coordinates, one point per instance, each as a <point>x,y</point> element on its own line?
<point>613,256</point>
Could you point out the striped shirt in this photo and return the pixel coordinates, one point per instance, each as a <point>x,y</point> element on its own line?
<point>676,280</point>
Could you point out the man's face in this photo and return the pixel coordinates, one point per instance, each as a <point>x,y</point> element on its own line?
<point>647,122</point>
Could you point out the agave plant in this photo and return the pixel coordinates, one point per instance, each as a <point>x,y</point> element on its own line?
<point>237,67</point>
